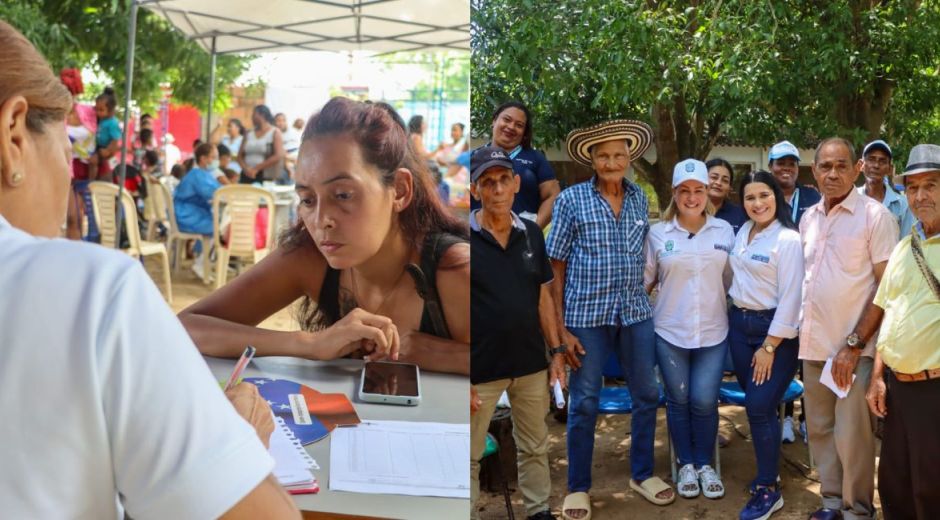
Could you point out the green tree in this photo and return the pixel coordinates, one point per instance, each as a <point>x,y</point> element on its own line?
<point>709,70</point>
<point>93,33</point>
<point>447,72</point>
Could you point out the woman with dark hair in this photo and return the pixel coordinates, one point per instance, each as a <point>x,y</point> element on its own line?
<point>234,135</point>
<point>720,184</point>
<point>192,199</point>
<point>416,128</point>
<point>261,154</point>
<point>382,267</point>
<point>512,131</point>
<point>767,261</point>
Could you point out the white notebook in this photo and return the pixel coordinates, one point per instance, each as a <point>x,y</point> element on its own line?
<point>292,463</point>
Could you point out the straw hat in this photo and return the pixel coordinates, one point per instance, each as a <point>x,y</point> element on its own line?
<point>639,137</point>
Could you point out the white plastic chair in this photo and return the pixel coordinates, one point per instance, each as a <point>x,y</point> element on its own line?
<point>104,197</point>
<point>155,211</point>
<point>241,206</point>
<point>176,238</point>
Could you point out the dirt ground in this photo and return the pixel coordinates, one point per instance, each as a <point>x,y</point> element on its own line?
<point>612,497</point>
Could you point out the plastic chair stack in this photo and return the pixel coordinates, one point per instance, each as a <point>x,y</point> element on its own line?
<point>241,205</point>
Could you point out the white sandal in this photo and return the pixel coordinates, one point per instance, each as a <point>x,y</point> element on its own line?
<point>688,482</point>
<point>711,484</point>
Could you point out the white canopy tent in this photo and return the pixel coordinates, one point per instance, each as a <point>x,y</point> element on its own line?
<point>261,26</point>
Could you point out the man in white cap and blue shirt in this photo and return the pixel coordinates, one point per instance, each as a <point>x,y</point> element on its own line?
<point>784,163</point>
<point>877,170</point>
<point>905,380</point>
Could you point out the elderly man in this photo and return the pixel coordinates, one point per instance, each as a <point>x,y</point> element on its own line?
<point>596,247</point>
<point>905,381</point>
<point>876,167</point>
<point>847,239</point>
<point>513,317</point>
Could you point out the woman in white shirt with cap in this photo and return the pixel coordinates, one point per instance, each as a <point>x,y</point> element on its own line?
<point>767,261</point>
<point>687,259</point>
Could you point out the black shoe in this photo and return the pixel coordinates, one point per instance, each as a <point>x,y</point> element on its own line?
<point>543,515</point>
<point>826,514</point>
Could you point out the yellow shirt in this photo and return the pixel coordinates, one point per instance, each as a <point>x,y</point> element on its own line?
<point>909,340</point>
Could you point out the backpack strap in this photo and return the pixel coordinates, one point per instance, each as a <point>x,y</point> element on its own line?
<point>425,278</point>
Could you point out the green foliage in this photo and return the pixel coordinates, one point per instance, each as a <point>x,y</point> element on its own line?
<point>709,70</point>
<point>93,33</point>
<point>447,72</point>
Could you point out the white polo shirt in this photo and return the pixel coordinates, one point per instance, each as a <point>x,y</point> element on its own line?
<point>768,274</point>
<point>692,274</point>
<point>106,402</point>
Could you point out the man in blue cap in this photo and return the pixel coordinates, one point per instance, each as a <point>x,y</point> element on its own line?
<point>876,167</point>
<point>784,163</point>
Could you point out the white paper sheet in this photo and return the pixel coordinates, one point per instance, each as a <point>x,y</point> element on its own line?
<point>402,458</point>
<point>826,379</point>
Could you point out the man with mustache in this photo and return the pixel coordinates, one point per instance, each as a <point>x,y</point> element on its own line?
<point>847,240</point>
<point>905,381</point>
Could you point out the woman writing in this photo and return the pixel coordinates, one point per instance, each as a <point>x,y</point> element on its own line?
<point>98,341</point>
<point>382,267</point>
<point>687,259</point>
<point>767,261</point>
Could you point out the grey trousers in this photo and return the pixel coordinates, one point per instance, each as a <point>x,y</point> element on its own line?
<point>842,441</point>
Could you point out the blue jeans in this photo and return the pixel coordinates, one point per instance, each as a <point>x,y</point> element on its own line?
<point>634,346</point>
<point>692,378</point>
<point>747,334</point>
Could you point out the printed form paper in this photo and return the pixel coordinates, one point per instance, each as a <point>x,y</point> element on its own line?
<point>402,458</point>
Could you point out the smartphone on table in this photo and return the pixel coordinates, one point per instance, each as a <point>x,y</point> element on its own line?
<point>390,383</point>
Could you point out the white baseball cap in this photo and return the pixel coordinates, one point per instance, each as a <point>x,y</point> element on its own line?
<point>689,170</point>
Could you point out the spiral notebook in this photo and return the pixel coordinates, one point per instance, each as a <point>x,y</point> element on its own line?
<point>292,463</point>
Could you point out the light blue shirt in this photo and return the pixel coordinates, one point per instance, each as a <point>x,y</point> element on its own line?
<point>193,201</point>
<point>897,205</point>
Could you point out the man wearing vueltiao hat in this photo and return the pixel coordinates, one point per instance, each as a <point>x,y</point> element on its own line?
<point>596,248</point>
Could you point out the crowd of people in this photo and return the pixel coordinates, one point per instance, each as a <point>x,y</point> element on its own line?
<point>797,279</point>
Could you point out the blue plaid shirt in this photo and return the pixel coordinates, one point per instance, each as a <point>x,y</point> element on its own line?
<point>604,255</point>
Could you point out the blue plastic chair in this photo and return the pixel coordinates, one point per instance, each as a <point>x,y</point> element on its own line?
<point>732,393</point>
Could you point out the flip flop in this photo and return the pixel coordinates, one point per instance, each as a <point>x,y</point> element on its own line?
<point>579,500</point>
<point>651,487</point>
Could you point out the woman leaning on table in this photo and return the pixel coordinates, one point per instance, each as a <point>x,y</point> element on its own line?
<point>107,341</point>
<point>380,265</point>
<point>687,259</point>
<point>767,262</point>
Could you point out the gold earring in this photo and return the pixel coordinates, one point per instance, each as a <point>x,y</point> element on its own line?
<point>16,178</point>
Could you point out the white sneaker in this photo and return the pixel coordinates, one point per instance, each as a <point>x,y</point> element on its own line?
<point>787,433</point>
<point>688,482</point>
<point>711,484</point>
<point>198,268</point>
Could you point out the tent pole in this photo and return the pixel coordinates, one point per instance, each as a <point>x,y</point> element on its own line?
<point>128,85</point>
<point>211,93</point>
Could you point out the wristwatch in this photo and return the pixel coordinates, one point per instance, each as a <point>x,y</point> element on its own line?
<point>560,349</point>
<point>769,347</point>
<point>854,341</point>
